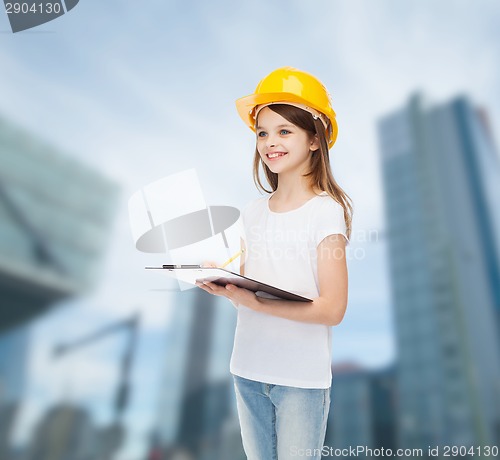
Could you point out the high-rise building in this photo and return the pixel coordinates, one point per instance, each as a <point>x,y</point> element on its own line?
<point>441,179</point>
<point>350,419</point>
<point>66,432</point>
<point>14,347</point>
<point>196,397</point>
<point>55,214</point>
<point>363,409</point>
<point>13,364</point>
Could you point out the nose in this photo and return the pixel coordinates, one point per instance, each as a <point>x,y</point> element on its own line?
<point>270,141</point>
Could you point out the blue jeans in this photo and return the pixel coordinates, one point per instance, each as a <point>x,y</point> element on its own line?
<point>281,422</point>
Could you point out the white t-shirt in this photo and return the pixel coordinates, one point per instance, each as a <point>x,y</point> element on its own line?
<point>281,251</point>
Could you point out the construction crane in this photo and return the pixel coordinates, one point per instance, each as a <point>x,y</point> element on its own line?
<point>112,436</point>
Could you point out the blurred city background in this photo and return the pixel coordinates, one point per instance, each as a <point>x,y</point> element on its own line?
<point>101,360</point>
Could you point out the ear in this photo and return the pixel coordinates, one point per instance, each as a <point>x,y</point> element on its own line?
<point>314,143</point>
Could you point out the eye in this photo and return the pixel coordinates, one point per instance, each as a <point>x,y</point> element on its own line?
<point>261,134</point>
<point>284,132</point>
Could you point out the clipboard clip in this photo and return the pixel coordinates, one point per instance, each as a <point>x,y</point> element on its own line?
<point>181,266</point>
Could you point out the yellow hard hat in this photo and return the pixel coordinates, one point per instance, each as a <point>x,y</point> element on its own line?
<point>288,85</point>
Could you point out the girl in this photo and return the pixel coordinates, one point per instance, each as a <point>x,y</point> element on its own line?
<point>295,240</point>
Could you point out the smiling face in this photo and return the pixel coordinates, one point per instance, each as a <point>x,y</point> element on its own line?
<point>283,146</point>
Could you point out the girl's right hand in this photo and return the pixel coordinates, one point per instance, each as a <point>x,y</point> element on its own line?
<point>211,263</point>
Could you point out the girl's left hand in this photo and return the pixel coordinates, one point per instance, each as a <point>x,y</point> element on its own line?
<point>239,295</point>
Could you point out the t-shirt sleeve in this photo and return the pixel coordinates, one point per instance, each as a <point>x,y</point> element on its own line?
<point>329,221</point>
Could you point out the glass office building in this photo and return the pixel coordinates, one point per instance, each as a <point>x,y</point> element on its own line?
<point>14,347</point>
<point>55,214</point>
<point>13,363</point>
<point>362,409</point>
<point>350,419</point>
<point>441,183</point>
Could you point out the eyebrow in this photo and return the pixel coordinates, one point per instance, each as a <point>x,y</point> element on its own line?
<point>279,126</point>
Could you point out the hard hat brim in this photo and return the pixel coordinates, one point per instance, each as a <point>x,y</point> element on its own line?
<point>246,106</point>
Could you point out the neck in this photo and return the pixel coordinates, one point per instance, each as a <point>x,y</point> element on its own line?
<point>294,187</point>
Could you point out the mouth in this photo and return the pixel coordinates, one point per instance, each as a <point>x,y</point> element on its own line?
<point>275,155</point>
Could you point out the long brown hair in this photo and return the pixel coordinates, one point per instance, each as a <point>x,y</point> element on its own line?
<point>320,174</point>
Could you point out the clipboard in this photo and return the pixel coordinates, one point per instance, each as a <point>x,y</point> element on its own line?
<point>220,276</point>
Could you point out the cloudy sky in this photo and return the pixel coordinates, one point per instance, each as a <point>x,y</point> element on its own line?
<point>141,90</point>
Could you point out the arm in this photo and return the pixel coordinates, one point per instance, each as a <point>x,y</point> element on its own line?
<point>329,308</point>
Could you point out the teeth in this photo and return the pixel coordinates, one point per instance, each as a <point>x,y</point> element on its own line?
<point>274,155</point>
